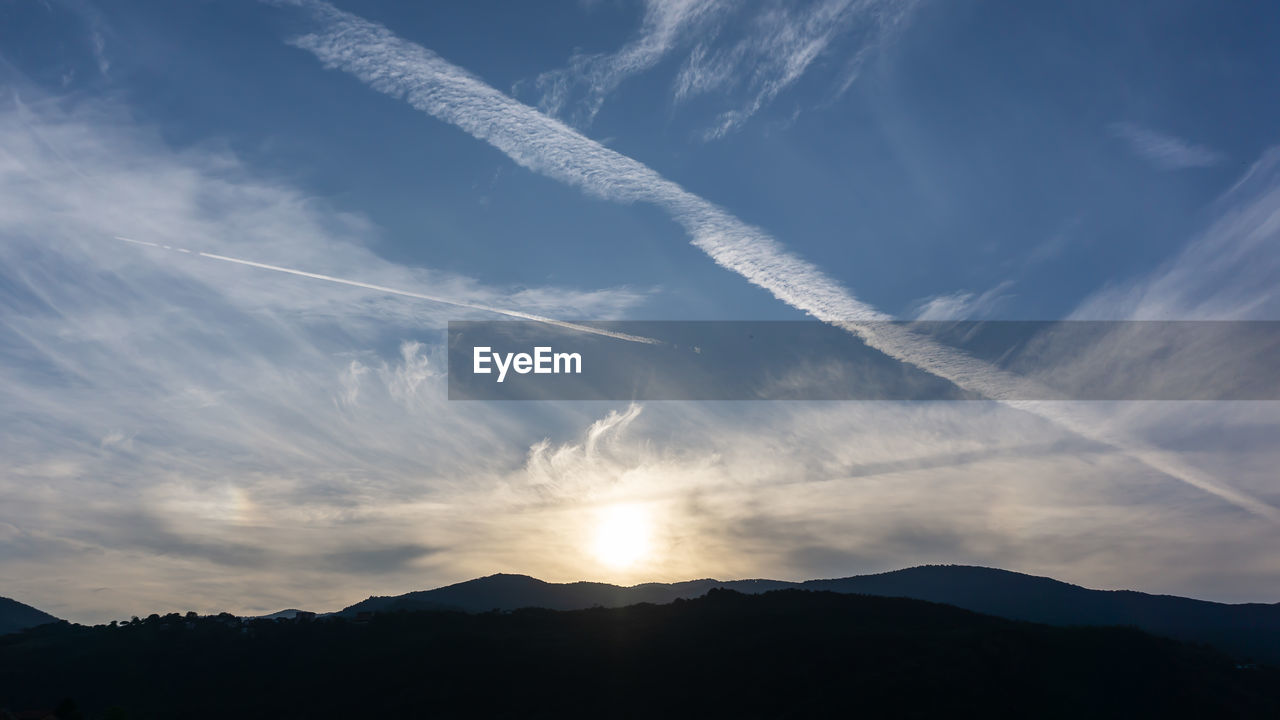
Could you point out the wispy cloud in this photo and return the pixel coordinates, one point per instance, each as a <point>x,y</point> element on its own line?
<point>545,145</point>
<point>179,430</point>
<point>666,24</point>
<point>95,28</point>
<point>1164,151</point>
<point>1230,271</point>
<point>795,490</point>
<point>99,45</point>
<point>780,47</point>
<point>778,44</point>
<point>963,305</point>
<point>189,434</point>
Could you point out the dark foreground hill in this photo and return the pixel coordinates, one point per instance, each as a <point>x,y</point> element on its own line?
<point>780,654</point>
<point>15,616</point>
<point>1247,631</point>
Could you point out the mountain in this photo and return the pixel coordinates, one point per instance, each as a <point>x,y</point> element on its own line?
<point>289,614</point>
<point>510,592</point>
<point>1247,630</point>
<point>786,653</point>
<point>15,616</point>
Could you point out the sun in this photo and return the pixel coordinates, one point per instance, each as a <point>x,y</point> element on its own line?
<point>623,536</point>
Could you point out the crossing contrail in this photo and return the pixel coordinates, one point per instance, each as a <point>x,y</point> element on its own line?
<point>428,82</point>
<point>405,293</point>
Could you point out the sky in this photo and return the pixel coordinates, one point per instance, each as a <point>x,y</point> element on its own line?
<point>179,432</point>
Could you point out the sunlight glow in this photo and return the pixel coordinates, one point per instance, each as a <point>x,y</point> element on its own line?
<point>623,534</point>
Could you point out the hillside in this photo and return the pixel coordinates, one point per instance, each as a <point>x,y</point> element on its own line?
<point>778,654</point>
<point>510,592</point>
<point>15,616</point>
<point>1248,631</point>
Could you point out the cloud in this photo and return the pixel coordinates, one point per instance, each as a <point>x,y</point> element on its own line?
<point>962,305</point>
<point>99,45</point>
<point>1164,151</point>
<point>798,490</point>
<point>96,32</point>
<point>783,42</point>
<point>180,430</point>
<point>197,435</point>
<point>1227,272</point>
<point>779,42</point>
<point>540,143</point>
<point>377,560</point>
<point>666,23</point>
<point>575,469</point>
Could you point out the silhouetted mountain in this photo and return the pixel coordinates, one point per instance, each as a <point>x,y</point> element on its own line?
<point>289,614</point>
<point>779,654</point>
<point>15,616</point>
<point>1248,630</point>
<point>511,592</point>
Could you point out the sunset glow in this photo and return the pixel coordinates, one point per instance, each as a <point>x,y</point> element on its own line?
<point>623,536</point>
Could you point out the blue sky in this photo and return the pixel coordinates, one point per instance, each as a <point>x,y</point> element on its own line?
<point>178,429</point>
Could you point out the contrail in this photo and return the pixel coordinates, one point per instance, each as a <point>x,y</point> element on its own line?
<point>406,293</point>
<point>544,145</point>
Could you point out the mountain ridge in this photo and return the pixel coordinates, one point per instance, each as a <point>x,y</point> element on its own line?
<point>16,616</point>
<point>784,653</point>
<point>1247,630</point>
